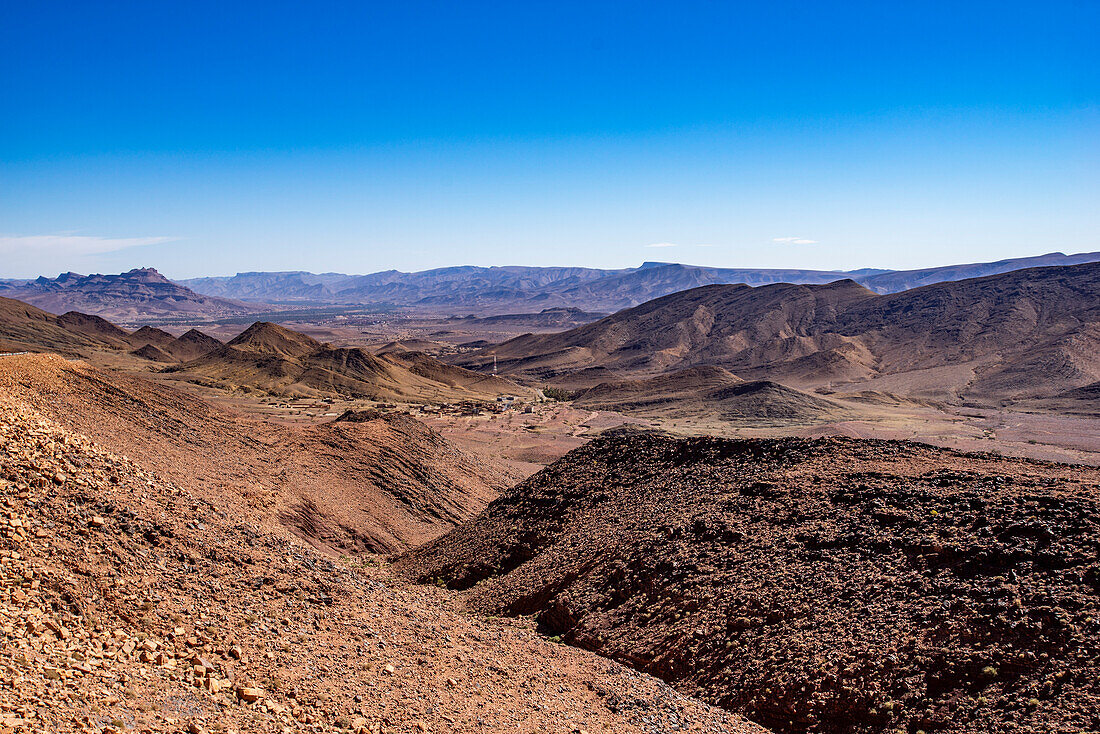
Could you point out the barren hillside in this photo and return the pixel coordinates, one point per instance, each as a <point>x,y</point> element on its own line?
<point>26,327</point>
<point>699,391</point>
<point>132,603</point>
<point>1027,333</point>
<point>829,585</point>
<point>377,486</point>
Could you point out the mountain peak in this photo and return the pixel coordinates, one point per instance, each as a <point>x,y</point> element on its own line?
<point>268,338</point>
<point>145,275</point>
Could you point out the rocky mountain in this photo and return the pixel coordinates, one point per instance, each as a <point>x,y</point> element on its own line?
<point>1025,333</point>
<point>514,289</point>
<point>828,585</point>
<point>132,296</point>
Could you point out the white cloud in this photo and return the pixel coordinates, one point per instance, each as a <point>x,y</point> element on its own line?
<point>793,241</point>
<point>663,244</point>
<point>69,245</point>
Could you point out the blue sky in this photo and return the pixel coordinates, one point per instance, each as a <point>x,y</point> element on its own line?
<point>210,138</point>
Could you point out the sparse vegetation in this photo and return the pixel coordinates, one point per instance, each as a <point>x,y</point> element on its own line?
<point>560,394</point>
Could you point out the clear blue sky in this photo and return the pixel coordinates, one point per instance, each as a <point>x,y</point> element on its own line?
<point>208,138</point>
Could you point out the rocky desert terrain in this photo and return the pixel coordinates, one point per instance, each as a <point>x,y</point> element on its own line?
<point>263,531</point>
<point>376,485</point>
<point>133,602</point>
<point>549,368</point>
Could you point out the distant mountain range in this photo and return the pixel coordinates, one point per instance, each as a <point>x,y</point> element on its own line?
<point>497,290</point>
<point>144,293</point>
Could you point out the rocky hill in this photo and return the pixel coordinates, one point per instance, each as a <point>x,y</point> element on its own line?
<point>99,329</point>
<point>699,326</point>
<point>192,344</point>
<point>709,391</point>
<point>281,361</point>
<point>264,357</point>
<point>828,585</point>
<point>132,296</point>
<point>1019,334</point>
<point>26,328</point>
<point>136,599</point>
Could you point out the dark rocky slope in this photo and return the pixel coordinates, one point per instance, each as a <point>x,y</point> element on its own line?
<point>824,585</point>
